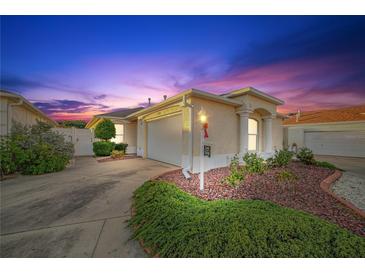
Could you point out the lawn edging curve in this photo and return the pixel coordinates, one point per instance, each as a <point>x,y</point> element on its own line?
<point>326,186</point>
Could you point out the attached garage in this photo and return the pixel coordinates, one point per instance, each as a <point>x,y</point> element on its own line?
<point>337,132</point>
<point>164,139</point>
<point>340,143</point>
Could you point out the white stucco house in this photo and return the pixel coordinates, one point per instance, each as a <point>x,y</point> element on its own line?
<point>170,131</point>
<point>338,132</point>
<point>15,108</point>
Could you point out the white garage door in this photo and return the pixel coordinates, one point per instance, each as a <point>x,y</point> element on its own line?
<point>340,143</point>
<point>164,140</point>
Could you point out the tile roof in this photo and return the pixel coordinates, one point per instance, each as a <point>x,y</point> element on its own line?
<point>356,113</point>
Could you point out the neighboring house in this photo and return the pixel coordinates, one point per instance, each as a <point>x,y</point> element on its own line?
<point>14,107</point>
<point>126,129</point>
<point>339,132</point>
<point>239,121</point>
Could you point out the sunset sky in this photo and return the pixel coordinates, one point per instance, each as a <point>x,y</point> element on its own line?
<point>73,67</point>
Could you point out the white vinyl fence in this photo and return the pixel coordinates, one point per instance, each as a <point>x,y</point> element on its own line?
<point>82,138</point>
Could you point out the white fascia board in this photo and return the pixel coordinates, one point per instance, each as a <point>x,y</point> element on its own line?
<point>255,92</point>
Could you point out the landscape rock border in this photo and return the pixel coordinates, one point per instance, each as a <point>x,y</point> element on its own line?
<point>326,186</point>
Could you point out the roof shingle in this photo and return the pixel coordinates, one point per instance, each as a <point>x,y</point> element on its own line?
<point>120,113</point>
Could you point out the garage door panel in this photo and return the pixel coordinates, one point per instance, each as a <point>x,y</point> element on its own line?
<point>341,143</point>
<point>164,140</point>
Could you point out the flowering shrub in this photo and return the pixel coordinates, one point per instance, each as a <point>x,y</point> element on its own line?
<point>117,154</point>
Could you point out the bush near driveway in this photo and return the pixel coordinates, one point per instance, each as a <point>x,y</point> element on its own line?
<point>34,150</point>
<point>306,156</point>
<point>7,156</point>
<point>103,148</point>
<point>175,224</point>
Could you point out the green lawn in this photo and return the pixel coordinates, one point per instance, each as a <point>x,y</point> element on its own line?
<point>176,224</point>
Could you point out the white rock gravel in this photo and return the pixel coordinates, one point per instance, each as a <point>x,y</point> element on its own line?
<point>351,187</point>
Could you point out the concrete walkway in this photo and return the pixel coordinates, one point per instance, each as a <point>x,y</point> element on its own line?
<point>79,212</point>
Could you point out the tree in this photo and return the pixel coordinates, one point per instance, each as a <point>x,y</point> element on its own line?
<point>73,123</point>
<point>105,130</point>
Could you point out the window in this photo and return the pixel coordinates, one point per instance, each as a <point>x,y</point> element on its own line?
<point>119,134</point>
<point>252,135</point>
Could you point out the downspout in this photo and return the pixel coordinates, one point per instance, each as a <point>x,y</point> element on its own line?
<point>10,113</point>
<point>186,170</point>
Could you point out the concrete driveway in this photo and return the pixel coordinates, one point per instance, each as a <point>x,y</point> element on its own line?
<point>350,164</point>
<point>79,212</point>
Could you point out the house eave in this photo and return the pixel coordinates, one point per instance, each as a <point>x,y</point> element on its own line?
<point>178,97</point>
<point>29,105</point>
<point>254,92</point>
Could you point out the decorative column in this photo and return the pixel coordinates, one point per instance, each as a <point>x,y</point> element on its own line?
<point>268,133</point>
<point>244,131</point>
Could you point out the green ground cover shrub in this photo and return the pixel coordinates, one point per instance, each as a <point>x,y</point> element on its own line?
<point>175,224</point>
<point>325,164</point>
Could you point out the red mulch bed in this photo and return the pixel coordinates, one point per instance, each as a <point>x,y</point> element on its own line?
<point>110,159</point>
<point>302,194</point>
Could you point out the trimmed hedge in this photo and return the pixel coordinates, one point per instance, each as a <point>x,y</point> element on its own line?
<point>173,223</point>
<point>105,130</point>
<point>121,147</point>
<point>103,148</point>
